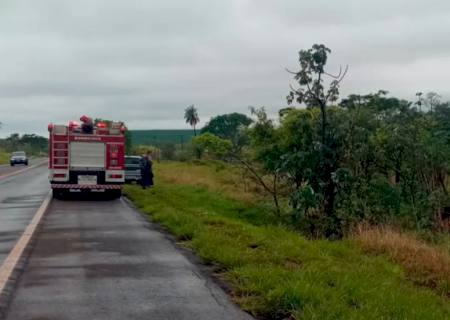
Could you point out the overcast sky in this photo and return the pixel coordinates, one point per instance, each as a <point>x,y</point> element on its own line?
<point>145,61</point>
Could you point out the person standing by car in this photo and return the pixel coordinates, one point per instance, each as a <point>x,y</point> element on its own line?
<point>147,170</point>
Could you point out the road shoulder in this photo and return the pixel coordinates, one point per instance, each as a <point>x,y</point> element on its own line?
<point>15,263</point>
<point>104,260</point>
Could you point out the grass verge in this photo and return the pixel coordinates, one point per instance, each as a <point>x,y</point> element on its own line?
<point>424,264</point>
<point>4,157</point>
<point>212,175</point>
<point>274,272</point>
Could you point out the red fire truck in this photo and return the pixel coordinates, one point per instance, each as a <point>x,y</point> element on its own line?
<point>87,157</point>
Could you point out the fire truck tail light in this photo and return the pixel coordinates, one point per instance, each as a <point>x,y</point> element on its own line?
<point>114,162</point>
<point>114,154</point>
<point>59,175</point>
<point>115,176</point>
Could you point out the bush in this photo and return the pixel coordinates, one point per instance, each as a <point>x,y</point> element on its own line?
<point>210,145</point>
<point>168,151</point>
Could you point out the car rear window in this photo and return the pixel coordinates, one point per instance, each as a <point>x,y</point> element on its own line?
<point>19,153</point>
<point>132,160</point>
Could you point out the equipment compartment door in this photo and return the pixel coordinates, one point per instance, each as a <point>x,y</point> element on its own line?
<point>87,155</point>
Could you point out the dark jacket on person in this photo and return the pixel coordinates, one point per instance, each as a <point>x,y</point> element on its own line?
<point>146,172</point>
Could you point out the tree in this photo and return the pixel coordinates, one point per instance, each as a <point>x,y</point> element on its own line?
<point>419,100</point>
<point>378,159</point>
<point>310,79</point>
<point>312,92</point>
<point>30,143</point>
<point>168,150</point>
<point>228,126</point>
<point>191,117</point>
<point>432,100</point>
<point>208,143</point>
<point>128,141</point>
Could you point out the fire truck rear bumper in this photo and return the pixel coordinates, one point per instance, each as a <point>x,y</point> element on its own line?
<point>83,186</point>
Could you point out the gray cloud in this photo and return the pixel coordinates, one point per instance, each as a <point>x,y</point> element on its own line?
<point>144,61</point>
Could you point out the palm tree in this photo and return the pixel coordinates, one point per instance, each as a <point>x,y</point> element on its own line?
<point>191,117</point>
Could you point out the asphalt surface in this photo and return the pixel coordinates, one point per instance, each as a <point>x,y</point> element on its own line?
<point>6,168</point>
<point>103,260</point>
<point>20,197</point>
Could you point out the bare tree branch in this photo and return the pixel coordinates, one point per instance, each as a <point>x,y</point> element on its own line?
<point>291,72</point>
<point>333,76</point>
<point>344,74</point>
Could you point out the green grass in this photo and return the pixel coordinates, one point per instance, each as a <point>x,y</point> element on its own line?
<point>158,137</point>
<point>274,272</point>
<point>4,157</point>
<point>445,241</point>
<point>441,239</point>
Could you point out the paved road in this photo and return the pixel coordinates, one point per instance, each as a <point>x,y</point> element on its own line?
<point>6,168</point>
<point>20,197</point>
<point>102,260</point>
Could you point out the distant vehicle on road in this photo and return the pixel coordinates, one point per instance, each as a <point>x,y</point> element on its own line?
<point>87,157</point>
<point>18,157</point>
<point>133,169</point>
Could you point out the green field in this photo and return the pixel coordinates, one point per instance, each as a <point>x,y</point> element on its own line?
<point>4,157</point>
<point>158,137</point>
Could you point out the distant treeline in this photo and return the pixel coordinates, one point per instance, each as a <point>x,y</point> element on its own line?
<point>32,144</point>
<point>160,137</point>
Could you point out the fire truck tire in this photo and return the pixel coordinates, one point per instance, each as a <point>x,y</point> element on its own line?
<point>115,194</point>
<point>58,193</point>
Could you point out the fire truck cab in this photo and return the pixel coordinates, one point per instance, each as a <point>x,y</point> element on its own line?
<point>87,157</point>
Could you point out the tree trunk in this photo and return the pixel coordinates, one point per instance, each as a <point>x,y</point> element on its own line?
<point>333,228</point>
<point>398,166</point>
<point>324,122</point>
<point>275,194</point>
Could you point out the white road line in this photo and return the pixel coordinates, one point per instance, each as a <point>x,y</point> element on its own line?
<point>21,170</point>
<point>11,262</point>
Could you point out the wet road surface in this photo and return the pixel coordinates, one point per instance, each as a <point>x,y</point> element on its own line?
<point>7,169</point>
<point>20,197</point>
<point>102,260</point>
